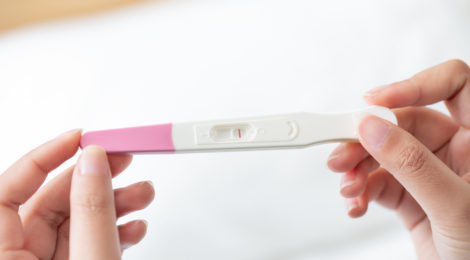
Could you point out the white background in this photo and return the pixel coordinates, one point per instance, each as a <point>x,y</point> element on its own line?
<point>173,61</point>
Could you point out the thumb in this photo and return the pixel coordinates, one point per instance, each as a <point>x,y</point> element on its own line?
<point>93,231</point>
<point>432,184</point>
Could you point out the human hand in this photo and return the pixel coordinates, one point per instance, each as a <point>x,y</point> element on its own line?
<point>80,199</point>
<point>421,168</point>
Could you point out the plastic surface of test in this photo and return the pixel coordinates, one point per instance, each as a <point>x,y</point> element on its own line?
<point>265,132</point>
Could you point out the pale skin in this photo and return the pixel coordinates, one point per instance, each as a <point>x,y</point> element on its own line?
<point>420,168</point>
<point>74,215</point>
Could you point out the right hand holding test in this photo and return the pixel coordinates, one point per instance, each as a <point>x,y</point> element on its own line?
<point>421,169</point>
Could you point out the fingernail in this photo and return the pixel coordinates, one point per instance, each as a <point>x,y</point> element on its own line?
<point>351,205</point>
<point>375,91</point>
<point>69,132</point>
<point>125,246</point>
<point>336,152</point>
<point>333,156</point>
<point>348,179</point>
<point>374,131</point>
<point>93,161</point>
<point>145,222</point>
<point>346,184</point>
<point>151,184</point>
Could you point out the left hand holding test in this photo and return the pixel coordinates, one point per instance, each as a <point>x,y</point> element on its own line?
<point>80,199</point>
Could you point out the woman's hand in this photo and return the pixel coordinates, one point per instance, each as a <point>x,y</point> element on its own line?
<point>421,169</point>
<point>74,215</point>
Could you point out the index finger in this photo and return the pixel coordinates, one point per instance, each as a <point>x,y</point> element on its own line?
<point>26,175</point>
<point>23,178</point>
<point>449,81</point>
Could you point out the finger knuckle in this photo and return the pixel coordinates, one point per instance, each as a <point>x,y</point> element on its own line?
<point>53,218</point>
<point>411,159</point>
<point>64,232</point>
<point>36,163</point>
<point>462,212</point>
<point>453,219</point>
<point>92,203</point>
<point>415,85</point>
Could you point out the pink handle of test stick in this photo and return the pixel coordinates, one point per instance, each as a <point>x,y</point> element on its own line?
<point>152,138</point>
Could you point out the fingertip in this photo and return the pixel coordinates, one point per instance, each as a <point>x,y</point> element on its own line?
<point>144,225</point>
<point>368,99</point>
<point>145,222</point>
<point>94,149</point>
<point>336,158</point>
<point>71,137</point>
<point>347,183</point>
<point>334,164</point>
<point>134,197</point>
<point>148,189</point>
<point>387,95</point>
<point>94,152</point>
<point>132,233</point>
<point>373,131</point>
<point>371,94</point>
<point>73,132</point>
<point>346,157</point>
<point>334,155</point>
<point>119,162</point>
<point>356,207</point>
<point>375,100</point>
<point>139,226</point>
<point>348,191</point>
<point>351,206</point>
<point>68,143</point>
<point>352,184</point>
<point>93,160</point>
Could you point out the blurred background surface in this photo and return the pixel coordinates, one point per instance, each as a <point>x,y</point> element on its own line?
<point>172,61</point>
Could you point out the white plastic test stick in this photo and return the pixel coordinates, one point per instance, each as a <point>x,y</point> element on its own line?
<point>265,132</point>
